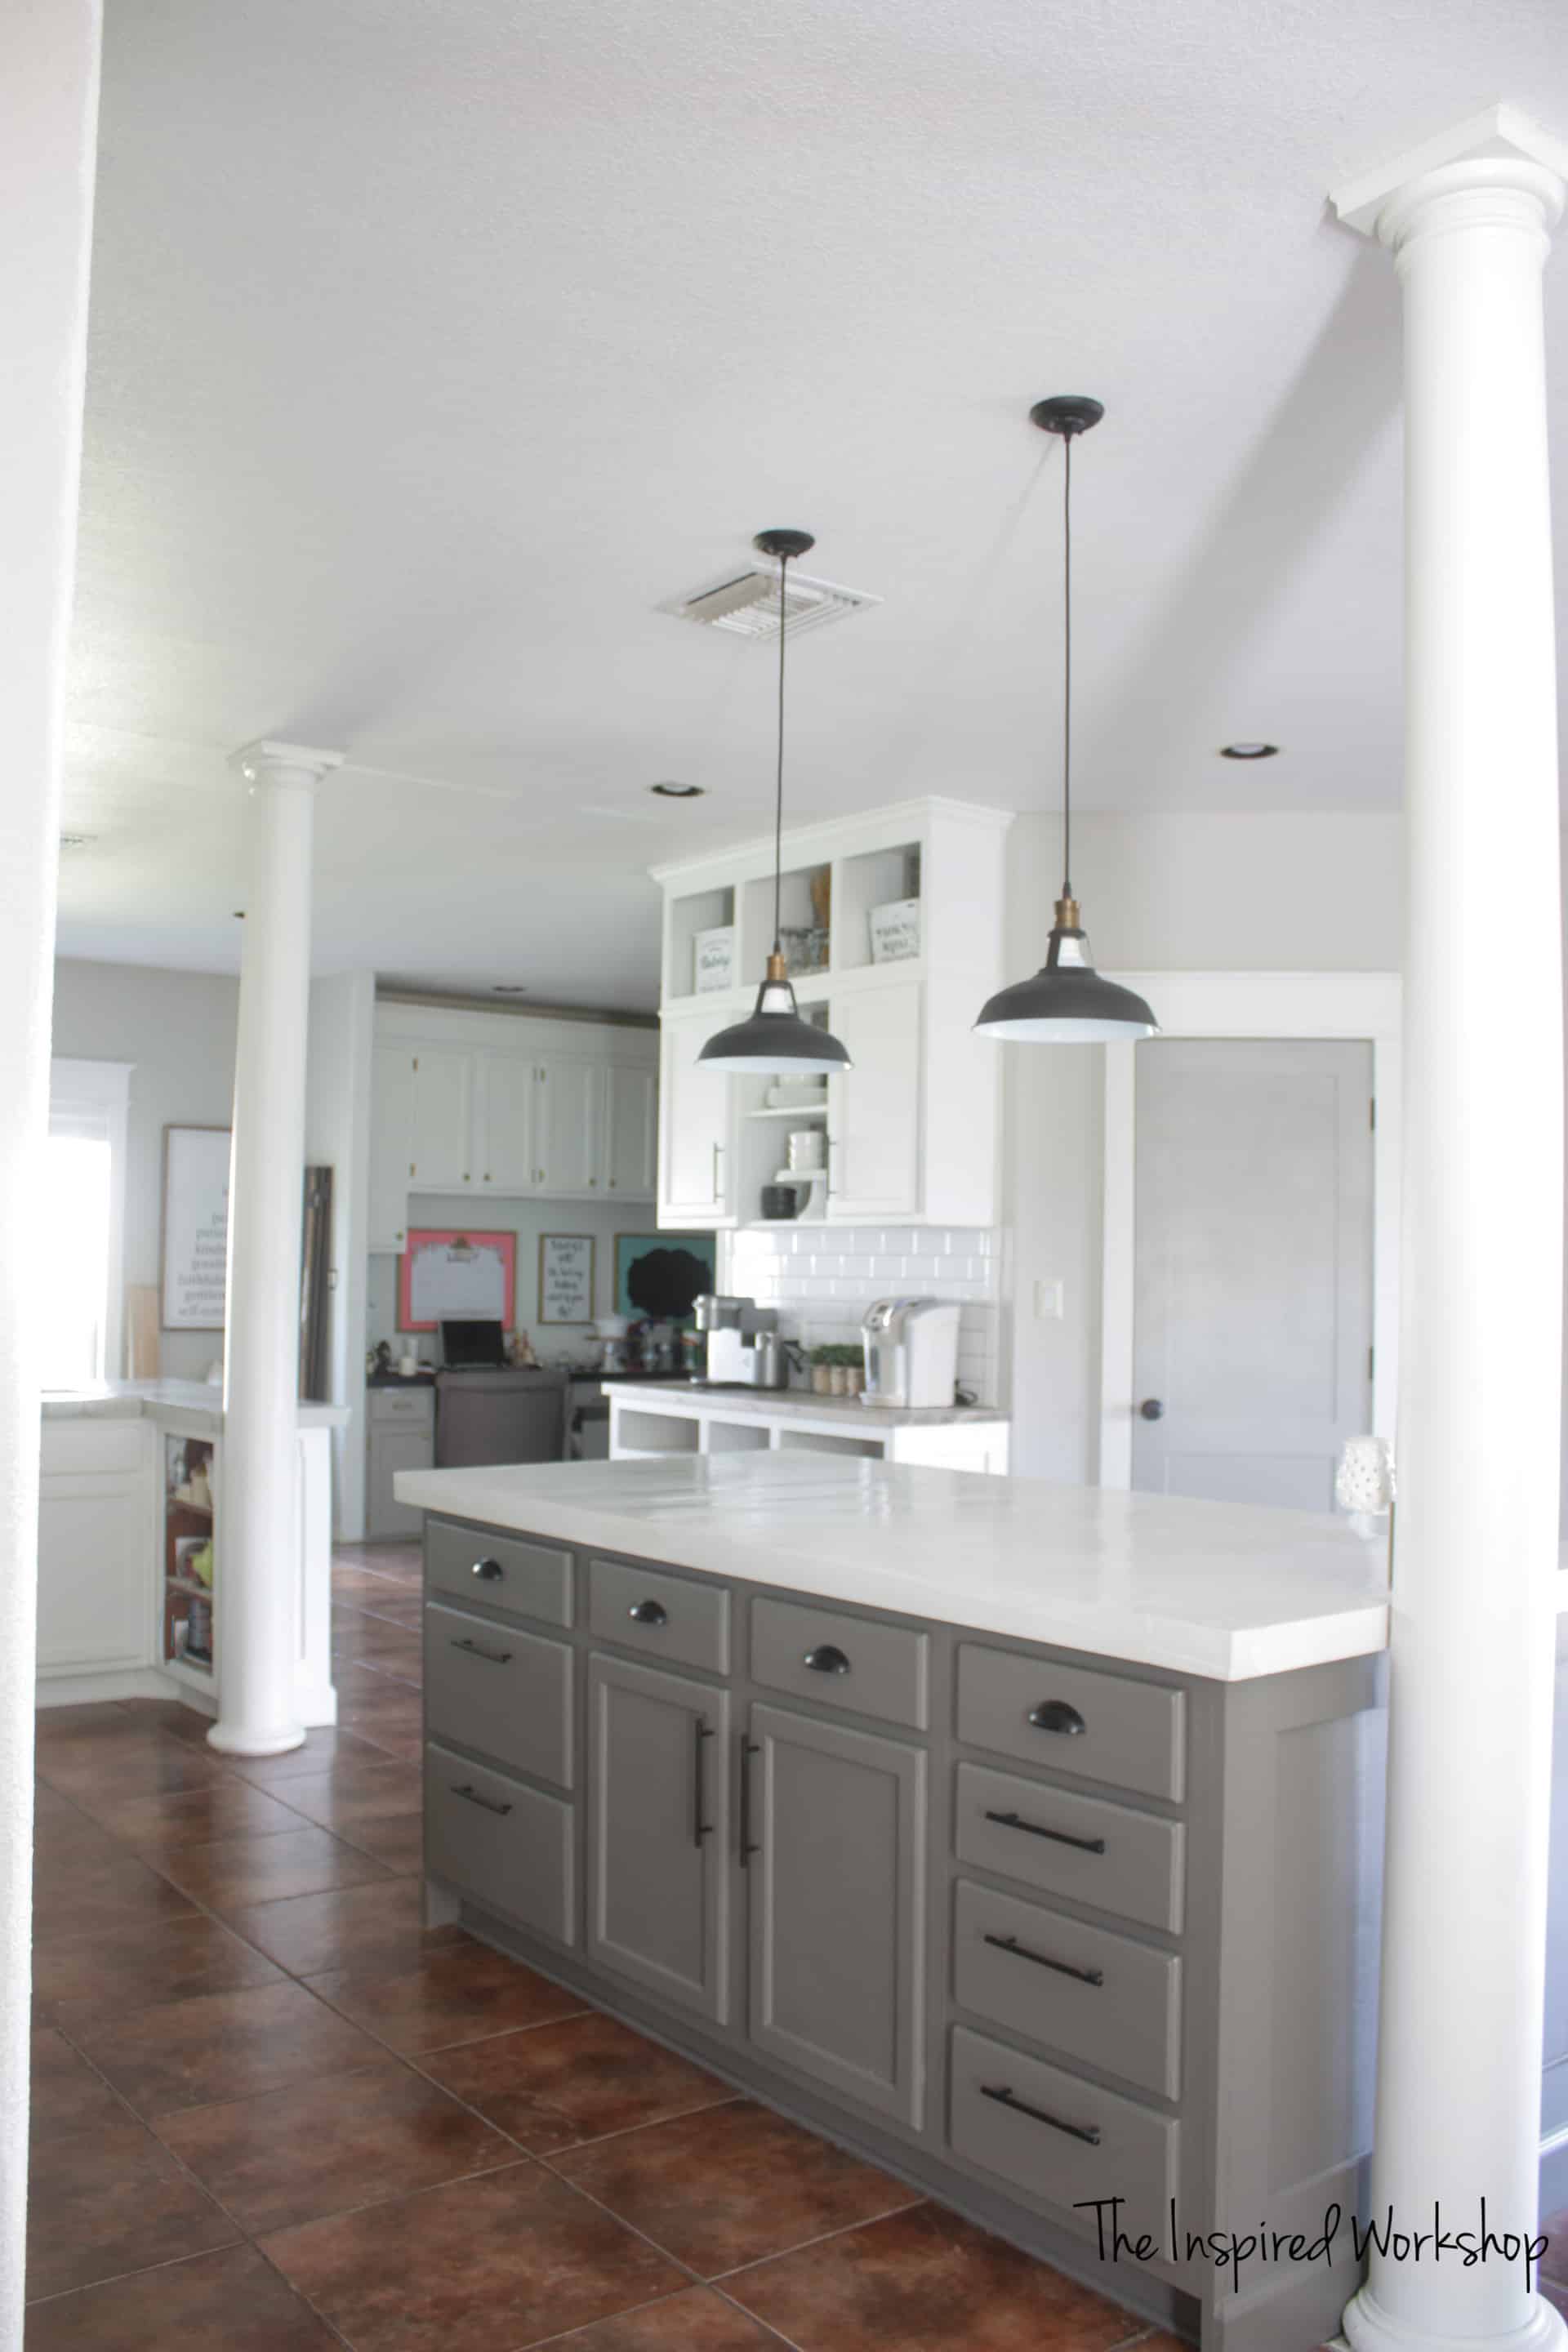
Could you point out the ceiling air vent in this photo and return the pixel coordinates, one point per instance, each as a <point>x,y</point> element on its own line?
<point>747,603</point>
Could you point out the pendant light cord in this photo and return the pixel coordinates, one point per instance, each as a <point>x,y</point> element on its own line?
<point>1067,664</point>
<point>778,781</point>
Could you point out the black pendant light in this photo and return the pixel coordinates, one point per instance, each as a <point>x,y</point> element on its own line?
<point>1067,1003</point>
<point>775,1037</point>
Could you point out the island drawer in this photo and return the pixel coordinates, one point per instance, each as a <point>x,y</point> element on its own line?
<point>665,1617</point>
<point>532,1580</point>
<point>506,1692</point>
<point>1098,1996</point>
<point>848,1662</point>
<point>1058,2140</point>
<point>509,1846</point>
<point>1069,1719</point>
<point>1109,1856</point>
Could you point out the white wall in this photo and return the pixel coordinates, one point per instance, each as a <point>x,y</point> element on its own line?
<point>527,1219</point>
<point>1210,893</point>
<point>178,1028</point>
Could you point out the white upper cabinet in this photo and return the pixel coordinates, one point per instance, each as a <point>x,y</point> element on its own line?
<point>631,1129</point>
<point>695,1126</point>
<point>892,927</point>
<point>443,1155</point>
<point>567,1146</point>
<point>391,1144</point>
<point>500,1105</point>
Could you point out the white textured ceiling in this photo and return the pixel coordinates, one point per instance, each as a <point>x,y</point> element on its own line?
<point>435,342</point>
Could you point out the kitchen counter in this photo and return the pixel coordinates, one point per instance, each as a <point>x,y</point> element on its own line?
<point>137,1400</point>
<point>803,1404</point>
<point>1227,1590</point>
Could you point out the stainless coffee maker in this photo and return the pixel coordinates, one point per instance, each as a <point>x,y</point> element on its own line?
<point>912,1351</point>
<point>743,1346</point>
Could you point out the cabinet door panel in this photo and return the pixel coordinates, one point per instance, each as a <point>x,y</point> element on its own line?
<point>631,1125</point>
<point>393,1447</point>
<point>510,1095</point>
<point>390,1145</point>
<point>566,1125</point>
<point>657,1892</point>
<point>694,1128</point>
<point>441,1155</point>
<point>837,1894</point>
<point>95,1567</point>
<point>874,1110</point>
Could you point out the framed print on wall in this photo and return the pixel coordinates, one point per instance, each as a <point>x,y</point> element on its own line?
<point>194,1250</point>
<point>566,1278</point>
<point>469,1273</point>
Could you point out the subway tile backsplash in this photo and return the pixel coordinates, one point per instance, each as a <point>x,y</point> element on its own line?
<point>822,1278</point>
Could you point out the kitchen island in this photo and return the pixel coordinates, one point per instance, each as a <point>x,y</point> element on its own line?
<point>1024,1839</point>
<point>713,1417</point>
<point>130,1546</point>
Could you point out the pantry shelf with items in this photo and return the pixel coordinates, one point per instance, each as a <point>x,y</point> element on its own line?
<point>889,923</point>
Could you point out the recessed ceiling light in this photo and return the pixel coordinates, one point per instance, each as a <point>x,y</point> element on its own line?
<point>1248,751</point>
<point>508,988</point>
<point>77,840</point>
<point>679,792</point>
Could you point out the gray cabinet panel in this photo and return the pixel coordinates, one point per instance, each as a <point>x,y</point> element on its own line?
<point>509,1846</point>
<point>1099,1996</point>
<point>393,1446</point>
<point>869,1668</point>
<point>528,1580</point>
<point>670,1619</point>
<point>509,1693</point>
<point>1107,1856</point>
<point>1105,1726</point>
<point>1039,2137</point>
<point>837,1906</point>
<point>658,1835</point>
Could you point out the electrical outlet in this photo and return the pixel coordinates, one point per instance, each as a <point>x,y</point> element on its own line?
<point>1049,1304</point>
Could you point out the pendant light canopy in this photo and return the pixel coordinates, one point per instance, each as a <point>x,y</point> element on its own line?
<point>774,1037</point>
<point>1067,1003</point>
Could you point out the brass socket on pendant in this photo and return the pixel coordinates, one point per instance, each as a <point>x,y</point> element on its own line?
<point>1066,915</point>
<point>777,969</point>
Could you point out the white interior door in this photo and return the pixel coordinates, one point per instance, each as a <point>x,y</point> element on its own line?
<point>1253,1283</point>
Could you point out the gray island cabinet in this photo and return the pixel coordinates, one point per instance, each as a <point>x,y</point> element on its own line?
<point>1033,1923</point>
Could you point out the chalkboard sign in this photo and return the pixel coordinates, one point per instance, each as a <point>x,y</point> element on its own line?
<point>195,1228</point>
<point>566,1278</point>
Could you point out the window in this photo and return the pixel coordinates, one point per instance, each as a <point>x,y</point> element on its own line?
<point>81,1223</point>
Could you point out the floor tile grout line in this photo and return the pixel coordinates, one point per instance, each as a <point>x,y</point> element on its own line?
<point>823,2238</point>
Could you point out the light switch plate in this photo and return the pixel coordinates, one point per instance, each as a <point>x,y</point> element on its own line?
<point>1049,1304</point>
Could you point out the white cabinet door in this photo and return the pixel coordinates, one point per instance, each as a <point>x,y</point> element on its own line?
<point>695,1126</point>
<point>443,1097</point>
<point>390,1145</point>
<point>874,1110</point>
<point>567,1123</point>
<point>96,1560</point>
<point>510,1161</point>
<point>630,1130</point>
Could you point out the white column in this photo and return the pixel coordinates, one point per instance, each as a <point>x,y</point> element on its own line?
<point>48,109</point>
<point>1458,2095</point>
<point>258,1588</point>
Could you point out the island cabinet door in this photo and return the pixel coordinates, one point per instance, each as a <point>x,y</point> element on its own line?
<point>658,1840</point>
<point>832,1837</point>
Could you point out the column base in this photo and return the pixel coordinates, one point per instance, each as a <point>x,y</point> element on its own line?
<point>1369,2329</point>
<point>239,1740</point>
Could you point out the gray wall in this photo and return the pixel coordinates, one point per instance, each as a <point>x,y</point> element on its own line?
<point>178,1028</point>
<point>1158,893</point>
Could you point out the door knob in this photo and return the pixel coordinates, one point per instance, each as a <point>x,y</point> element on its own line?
<point>1152,1409</point>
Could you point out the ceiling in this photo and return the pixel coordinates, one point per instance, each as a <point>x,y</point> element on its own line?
<point>435,343</point>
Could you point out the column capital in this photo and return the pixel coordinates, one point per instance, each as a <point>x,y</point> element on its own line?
<point>269,762</point>
<point>1499,150</point>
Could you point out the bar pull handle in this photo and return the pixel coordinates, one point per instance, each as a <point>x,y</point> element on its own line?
<point>649,1612</point>
<point>827,1659</point>
<point>1034,1829</point>
<point>471,1796</point>
<point>491,1657</point>
<point>714,1194</point>
<point>1088,2133</point>
<point>489,1571</point>
<point>1043,1960</point>
<point>748,1846</point>
<point>700,1828</point>
<point>1055,1714</point>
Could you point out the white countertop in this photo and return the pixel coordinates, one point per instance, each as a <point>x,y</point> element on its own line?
<point>131,1399</point>
<point>791,1404</point>
<point>1222,1590</point>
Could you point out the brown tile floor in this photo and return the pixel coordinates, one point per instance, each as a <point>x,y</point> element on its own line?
<point>271,2114</point>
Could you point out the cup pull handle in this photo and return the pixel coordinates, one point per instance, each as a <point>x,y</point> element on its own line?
<point>649,1612</point>
<point>827,1659</point>
<point>489,1571</point>
<point>1055,1714</point>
